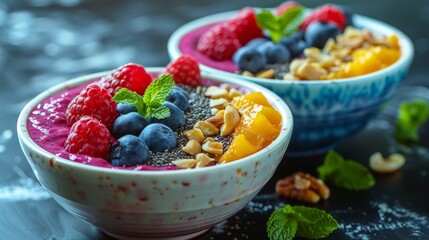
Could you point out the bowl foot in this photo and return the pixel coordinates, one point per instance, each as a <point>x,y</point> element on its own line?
<point>184,237</point>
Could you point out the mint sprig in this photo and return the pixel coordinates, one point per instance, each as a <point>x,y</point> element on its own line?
<point>150,104</point>
<point>346,174</point>
<point>283,25</point>
<point>412,114</point>
<point>298,221</point>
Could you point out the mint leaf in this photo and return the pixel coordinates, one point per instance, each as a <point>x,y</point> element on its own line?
<point>291,20</point>
<point>158,90</point>
<point>317,224</point>
<point>280,226</point>
<point>150,104</point>
<point>412,114</point>
<point>283,25</point>
<point>287,222</point>
<point>345,173</point>
<point>160,112</point>
<point>125,95</point>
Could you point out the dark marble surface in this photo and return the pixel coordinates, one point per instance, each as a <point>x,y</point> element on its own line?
<point>43,42</point>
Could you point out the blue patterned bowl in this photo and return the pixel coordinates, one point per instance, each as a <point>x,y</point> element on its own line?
<point>325,112</point>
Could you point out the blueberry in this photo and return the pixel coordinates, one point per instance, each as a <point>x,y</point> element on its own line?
<point>178,98</point>
<point>318,33</point>
<point>176,118</point>
<point>256,42</point>
<point>124,108</point>
<point>158,137</point>
<point>249,59</point>
<point>297,48</point>
<point>295,43</point>
<point>128,151</point>
<point>130,123</point>
<point>274,52</point>
<point>182,90</point>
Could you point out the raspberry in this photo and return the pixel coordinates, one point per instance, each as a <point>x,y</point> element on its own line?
<point>92,101</point>
<point>245,26</point>
<point>325,13</point>
<point>185,70</point>
<point>285,6</point>
<point>219,43</point>
<point>132,76</point>
<point>88,136</point>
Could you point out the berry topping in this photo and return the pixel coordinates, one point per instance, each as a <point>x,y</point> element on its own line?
<point>318,33</point>
<point>285,6</point>
<point>179,98</point>
<point>124,108</point>
<point>88,136</point>
<point>249,59</point>
<point>274,52</point>
<point>129,151</point>
<point>245,26</point>
<point>219,43</point>
<point>176,118</point>
<point>326,13</point>
<point>129,124</point>
<point>132,76</point>
<point>158,137</point>
<point>92,101</point>
<point>185,70</point>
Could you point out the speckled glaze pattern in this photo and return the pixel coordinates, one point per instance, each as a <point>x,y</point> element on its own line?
<point>173,204</point>
<point>325,112</point>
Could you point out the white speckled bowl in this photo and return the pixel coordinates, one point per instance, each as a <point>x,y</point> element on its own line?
<point>175,204</point>
<point>325,112</point>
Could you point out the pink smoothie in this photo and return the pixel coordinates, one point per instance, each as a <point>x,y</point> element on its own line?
<point>188,45</point>
<point>48,127</point>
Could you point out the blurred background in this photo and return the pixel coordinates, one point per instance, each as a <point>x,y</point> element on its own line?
<point>44,42</point>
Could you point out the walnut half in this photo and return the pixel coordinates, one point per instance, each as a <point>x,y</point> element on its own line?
<point>302,187</point>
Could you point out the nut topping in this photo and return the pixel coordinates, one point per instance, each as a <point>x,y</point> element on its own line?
<point>231,119</point>
<point>195,134</point>
<point>217,120</point>
<point>388,165</point>
<point>216,92</point>
<point>192,147</point>
<point>213,147</point>
<point>203,160</point>
<point>185,163</point>
<point>207,128</point>
<point>302,187</point>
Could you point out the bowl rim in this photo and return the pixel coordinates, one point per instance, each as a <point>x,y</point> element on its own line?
<point>276,101</point>
<point>407,50</point>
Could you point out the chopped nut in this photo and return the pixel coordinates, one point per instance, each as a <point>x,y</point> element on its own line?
<point>217,120</point>
<point>289,76</point>
<point>268,74</point>
<point>311,71</point>
<point>195,134</point>
<point>315,55</point>
<point>247,74</point>
<point>207,128</point>
<point>209,139</point>
<point>213,147</point>
<point>219,103</point>
<point>213,111</point>
<point>294,66</point>
<point>192,147</point>
<point>231,119</point>
<point>382,165</point>
<point>203,160</point>
<point>185,163</point>
<point>234,93</point>
<point>302,187</point>
<point>216,92</point>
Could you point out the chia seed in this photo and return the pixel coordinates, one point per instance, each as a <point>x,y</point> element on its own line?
<point>199,110</point>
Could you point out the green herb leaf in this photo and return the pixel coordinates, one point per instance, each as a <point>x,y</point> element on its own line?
<point>150,104</point>
<point>345,173</point>
<point>317,224</point>
<point>280,226</point>
<point>412,114</point>
<point>158,90</point>
<point>283,25</point>
<point>287,222</point>
<point>127,96</point>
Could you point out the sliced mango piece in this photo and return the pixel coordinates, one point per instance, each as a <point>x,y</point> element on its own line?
<point>247,100</point>
<point>240,147</point>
